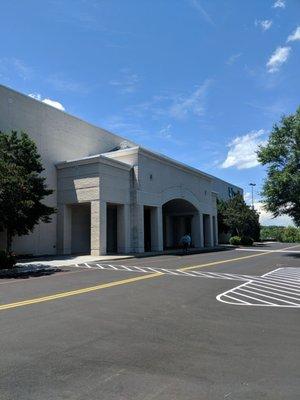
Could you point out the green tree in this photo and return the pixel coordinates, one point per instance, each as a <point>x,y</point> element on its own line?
<point>22,188</point>
<point>281,190</point>
<point>222,226</point>
<point>291,235</point>
<point>237,218</point>
<point>272,232</point>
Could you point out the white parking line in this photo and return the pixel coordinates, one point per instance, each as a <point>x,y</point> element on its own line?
<point>271,289</point>
<point>277,288</point>
<point>166,271</point>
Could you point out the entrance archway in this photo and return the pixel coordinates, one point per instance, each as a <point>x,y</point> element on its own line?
<point>179,217</point>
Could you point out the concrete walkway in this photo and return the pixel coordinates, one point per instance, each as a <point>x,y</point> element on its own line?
<point>60,261</point>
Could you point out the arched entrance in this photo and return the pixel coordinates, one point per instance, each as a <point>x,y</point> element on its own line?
<point>179,217</point>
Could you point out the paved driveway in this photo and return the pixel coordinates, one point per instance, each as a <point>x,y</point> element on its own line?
<point>219,325</point>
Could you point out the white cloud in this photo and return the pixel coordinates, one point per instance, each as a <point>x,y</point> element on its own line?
<point>173,105</point>
<point>192,104</point>
<point>279,4</point>
<point>198,6</point>
<point>15,67</point>
<point>165,132</point>
<point>50,102</point>
<point>232,59</point>
<point>242,150</point>
<point>127,83</point>
<point>266,218</point>
<point>295,35</point>
<point>54,104</point>
<point>279,57</point>
<point>264,24</point>
<point>247,197</point>
<point>66,85</point>
<point>124,127</point>
<point>35,96</point>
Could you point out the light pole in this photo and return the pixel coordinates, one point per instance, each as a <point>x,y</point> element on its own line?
<point>252,187</point>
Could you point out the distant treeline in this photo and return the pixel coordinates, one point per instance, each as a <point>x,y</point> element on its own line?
<point>288,234</point>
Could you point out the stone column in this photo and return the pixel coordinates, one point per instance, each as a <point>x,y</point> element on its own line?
<point>156,229</point>
<point>196,230</point>
<point>137,218</point>
<point>123,228</point>
<point>201,230</point>
<point>216,239</point>
<point>98,228</point>
<point>210,231</point>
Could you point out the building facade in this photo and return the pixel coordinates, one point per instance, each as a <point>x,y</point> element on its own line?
<point>111,195</point>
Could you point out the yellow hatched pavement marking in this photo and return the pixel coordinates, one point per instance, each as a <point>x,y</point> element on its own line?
<point>121,282</point>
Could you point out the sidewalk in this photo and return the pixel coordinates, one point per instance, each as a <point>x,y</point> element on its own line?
<point>61,261</point>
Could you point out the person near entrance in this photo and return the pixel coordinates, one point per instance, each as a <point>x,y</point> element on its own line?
<point>185,242</point>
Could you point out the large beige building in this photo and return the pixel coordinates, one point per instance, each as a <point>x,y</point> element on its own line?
<point>111,195</point>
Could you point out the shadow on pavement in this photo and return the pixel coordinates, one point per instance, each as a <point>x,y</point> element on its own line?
<point>293,255</point>
<point>180,252</point>
<point>28,272</point>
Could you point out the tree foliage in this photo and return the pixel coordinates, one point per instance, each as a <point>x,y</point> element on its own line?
<point>22,188</point>
<point>288,234</point>
<point>281,155</point>
<point>237,218</point>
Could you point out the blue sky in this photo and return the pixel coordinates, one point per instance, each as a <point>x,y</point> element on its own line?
<point>202,81</point>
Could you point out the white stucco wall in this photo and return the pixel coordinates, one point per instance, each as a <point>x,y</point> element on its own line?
<point>224,189</point>
<point>160,179</point>
<point>97,181</point>
<point>59,136</point>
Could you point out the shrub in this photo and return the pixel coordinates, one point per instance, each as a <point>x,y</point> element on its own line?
<point>247,241</point>
<point>7,260</point>
<point>235,240</point>
<point>291,235</point>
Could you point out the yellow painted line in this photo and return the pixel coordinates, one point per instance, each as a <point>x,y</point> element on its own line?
<point>77,292</point>
<point>235,259</point>
<point>121,282</point>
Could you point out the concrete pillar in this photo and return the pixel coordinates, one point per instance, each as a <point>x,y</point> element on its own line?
<point>196,230</point>
<point>98,228</point>
<point>210,231</point>
<point>123,228</point>
<point>216,239</point>
<point>156,229</point>
<point>137,218</point>
<point>201,230</point>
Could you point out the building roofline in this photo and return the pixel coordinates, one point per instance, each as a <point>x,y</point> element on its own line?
<point>160,157</point>
<point>135,148</point>
<point>228,183</point>
<point>66,113</point>
<point>98,158</point>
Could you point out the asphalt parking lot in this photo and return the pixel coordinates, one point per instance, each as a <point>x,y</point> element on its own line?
<point>220,325</point>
